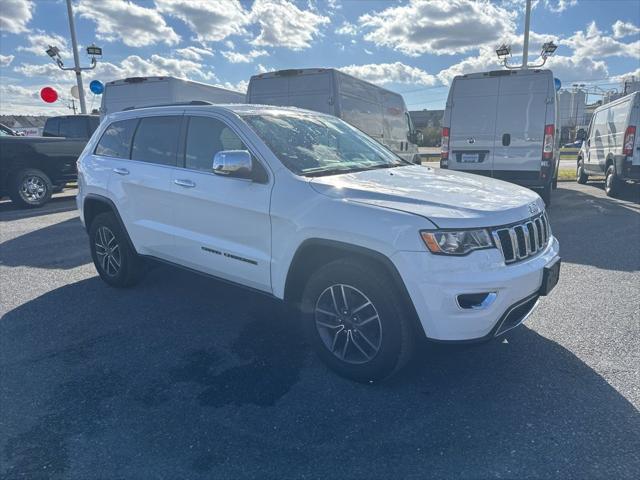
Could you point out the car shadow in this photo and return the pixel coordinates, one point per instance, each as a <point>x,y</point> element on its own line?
<point>187,377</point>
<point>596,230</point>
<point>62,245</point>
<point>58,203</point>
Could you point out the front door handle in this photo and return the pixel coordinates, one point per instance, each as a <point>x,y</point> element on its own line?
<point>121,171</point>
<point>184,183</point>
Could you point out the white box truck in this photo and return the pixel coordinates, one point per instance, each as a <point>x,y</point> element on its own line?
<point>378,112</point>
<point>502,124</point>
<point>137,92</point>
<point>612,147</point>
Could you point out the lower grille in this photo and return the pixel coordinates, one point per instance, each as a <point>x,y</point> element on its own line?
<point>524,240</point>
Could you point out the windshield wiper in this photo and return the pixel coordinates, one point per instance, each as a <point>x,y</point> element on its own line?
<point>339,171</point>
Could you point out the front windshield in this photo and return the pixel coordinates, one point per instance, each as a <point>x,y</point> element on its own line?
<point>313,145</point>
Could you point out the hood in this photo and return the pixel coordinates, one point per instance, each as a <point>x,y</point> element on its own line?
<point>447,198</point>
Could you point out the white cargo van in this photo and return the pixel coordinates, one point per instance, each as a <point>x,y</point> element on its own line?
<point>502,124</point>
<point>139,92</point>
<point>611,147</point>
<point>378,112</point>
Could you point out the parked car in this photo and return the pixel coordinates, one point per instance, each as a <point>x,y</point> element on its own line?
<point>32,168</point>
<point>299,205</point>
<point>612,148</point>
<point>379,113</point>
<point>136,92</point>
<point>7,132</point>
<point>502,124</point>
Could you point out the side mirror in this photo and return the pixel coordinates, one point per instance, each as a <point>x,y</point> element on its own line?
<point>233,163</point>
<point>415,137</point>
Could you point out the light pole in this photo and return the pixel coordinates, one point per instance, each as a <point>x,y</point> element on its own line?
<point>525,46</point>
<point>54,53</point>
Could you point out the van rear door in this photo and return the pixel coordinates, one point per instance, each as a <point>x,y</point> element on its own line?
<point>523,111</point>
<point>473,124</point>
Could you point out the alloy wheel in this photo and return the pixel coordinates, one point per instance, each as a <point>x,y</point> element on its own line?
<point>108,251</point>
<point>33,189</point>
<point>348,324</point>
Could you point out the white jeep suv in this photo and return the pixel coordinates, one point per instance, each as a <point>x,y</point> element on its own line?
<point>374,251</point>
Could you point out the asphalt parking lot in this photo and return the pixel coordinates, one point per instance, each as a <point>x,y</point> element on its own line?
<point>186,377</point>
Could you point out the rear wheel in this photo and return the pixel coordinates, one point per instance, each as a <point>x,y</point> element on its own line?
<point>356,321</point>
<point>581,174</point>
<point>115,260</point>
<point>30,188</point>
<point>612,184</point>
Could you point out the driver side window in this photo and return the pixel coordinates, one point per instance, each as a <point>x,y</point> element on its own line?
<point>207,136</point>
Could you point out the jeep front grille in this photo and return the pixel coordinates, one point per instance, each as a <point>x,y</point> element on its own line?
<point>523,240</point>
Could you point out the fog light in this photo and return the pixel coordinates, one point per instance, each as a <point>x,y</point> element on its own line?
<point>476,301</point>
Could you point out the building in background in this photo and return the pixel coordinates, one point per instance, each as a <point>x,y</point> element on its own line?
<point>572,112</point>
<point>429,122</point>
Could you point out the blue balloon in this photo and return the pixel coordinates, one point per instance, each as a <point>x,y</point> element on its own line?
<point>96,86</point>
<point>557,83</point>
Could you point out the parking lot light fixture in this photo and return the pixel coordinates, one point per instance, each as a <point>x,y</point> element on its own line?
<point>548,49</point>
<point>503,51</point>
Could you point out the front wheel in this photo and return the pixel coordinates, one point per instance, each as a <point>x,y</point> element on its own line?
<point>581,175</point>
<point>612,184</point>
<point>356,321</point>
<point>115,260</point>
<point>30,188</point>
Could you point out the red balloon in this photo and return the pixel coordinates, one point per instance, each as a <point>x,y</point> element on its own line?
<point>48,94</point>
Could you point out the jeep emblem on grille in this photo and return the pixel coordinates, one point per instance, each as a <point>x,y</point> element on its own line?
<point>533,208</point>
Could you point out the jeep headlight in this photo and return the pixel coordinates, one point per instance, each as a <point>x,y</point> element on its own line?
<point>456,242</point>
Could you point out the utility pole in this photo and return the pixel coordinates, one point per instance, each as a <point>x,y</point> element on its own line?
<point>525,46</point>
<point>76,58</point>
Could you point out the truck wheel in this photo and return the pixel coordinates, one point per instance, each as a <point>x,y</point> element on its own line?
<point>581,175</point>
<point>116,262</point>
<point>30,188</point>
<point>546,194</point>
<point>612,183</point>
<point>356,321</point>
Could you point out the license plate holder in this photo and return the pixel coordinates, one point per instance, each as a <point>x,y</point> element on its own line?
<point>470,158</point>
<point>550,277</point>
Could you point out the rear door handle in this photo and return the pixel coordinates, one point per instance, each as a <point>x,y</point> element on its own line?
<point>121,171</point>
<point>184,183</point>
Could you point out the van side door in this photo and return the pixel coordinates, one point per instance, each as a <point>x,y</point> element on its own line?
<point>222,223</point>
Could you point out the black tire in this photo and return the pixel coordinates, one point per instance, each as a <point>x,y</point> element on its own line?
<point>545,193</point>
<point>396,339</point>
<point>125,268</point>
<point>30,188</point>
<point>581,175</point>
<point>612,184</point>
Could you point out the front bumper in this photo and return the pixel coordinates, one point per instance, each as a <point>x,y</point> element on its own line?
<point>435,282</point>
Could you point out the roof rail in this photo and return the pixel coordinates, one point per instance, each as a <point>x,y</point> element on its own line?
<point>192,102</point>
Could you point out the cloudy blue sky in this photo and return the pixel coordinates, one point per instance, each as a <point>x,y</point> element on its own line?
<point>412,46</point>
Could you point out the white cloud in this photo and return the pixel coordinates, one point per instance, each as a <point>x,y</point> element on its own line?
<point>438,26</point>
<point>484,61</point>
<point>211,21</point>
<point>347,29</point>
<point>626,76</point>
<point>131,66</point>
<point>15,15</point>
<point>577,69</point>
<point>592,43</point>
<point>559,5</point>
<point>21,100</point>
<point>262,69</point>
<point>5,60</point>
<point>194,53</point>
<point>383,73</point>
<point>241,86</point>
<point>282,24</point>
<point>134,25</point>
<point>624,29</point>
<point>39,40</point>
<point>237,57</point>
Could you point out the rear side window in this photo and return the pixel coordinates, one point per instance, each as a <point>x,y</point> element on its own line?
<point>116,139</point>
<point>156,140</point>
<point>51,127</point>
<point>205,137</point>
<point>73,127</point>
